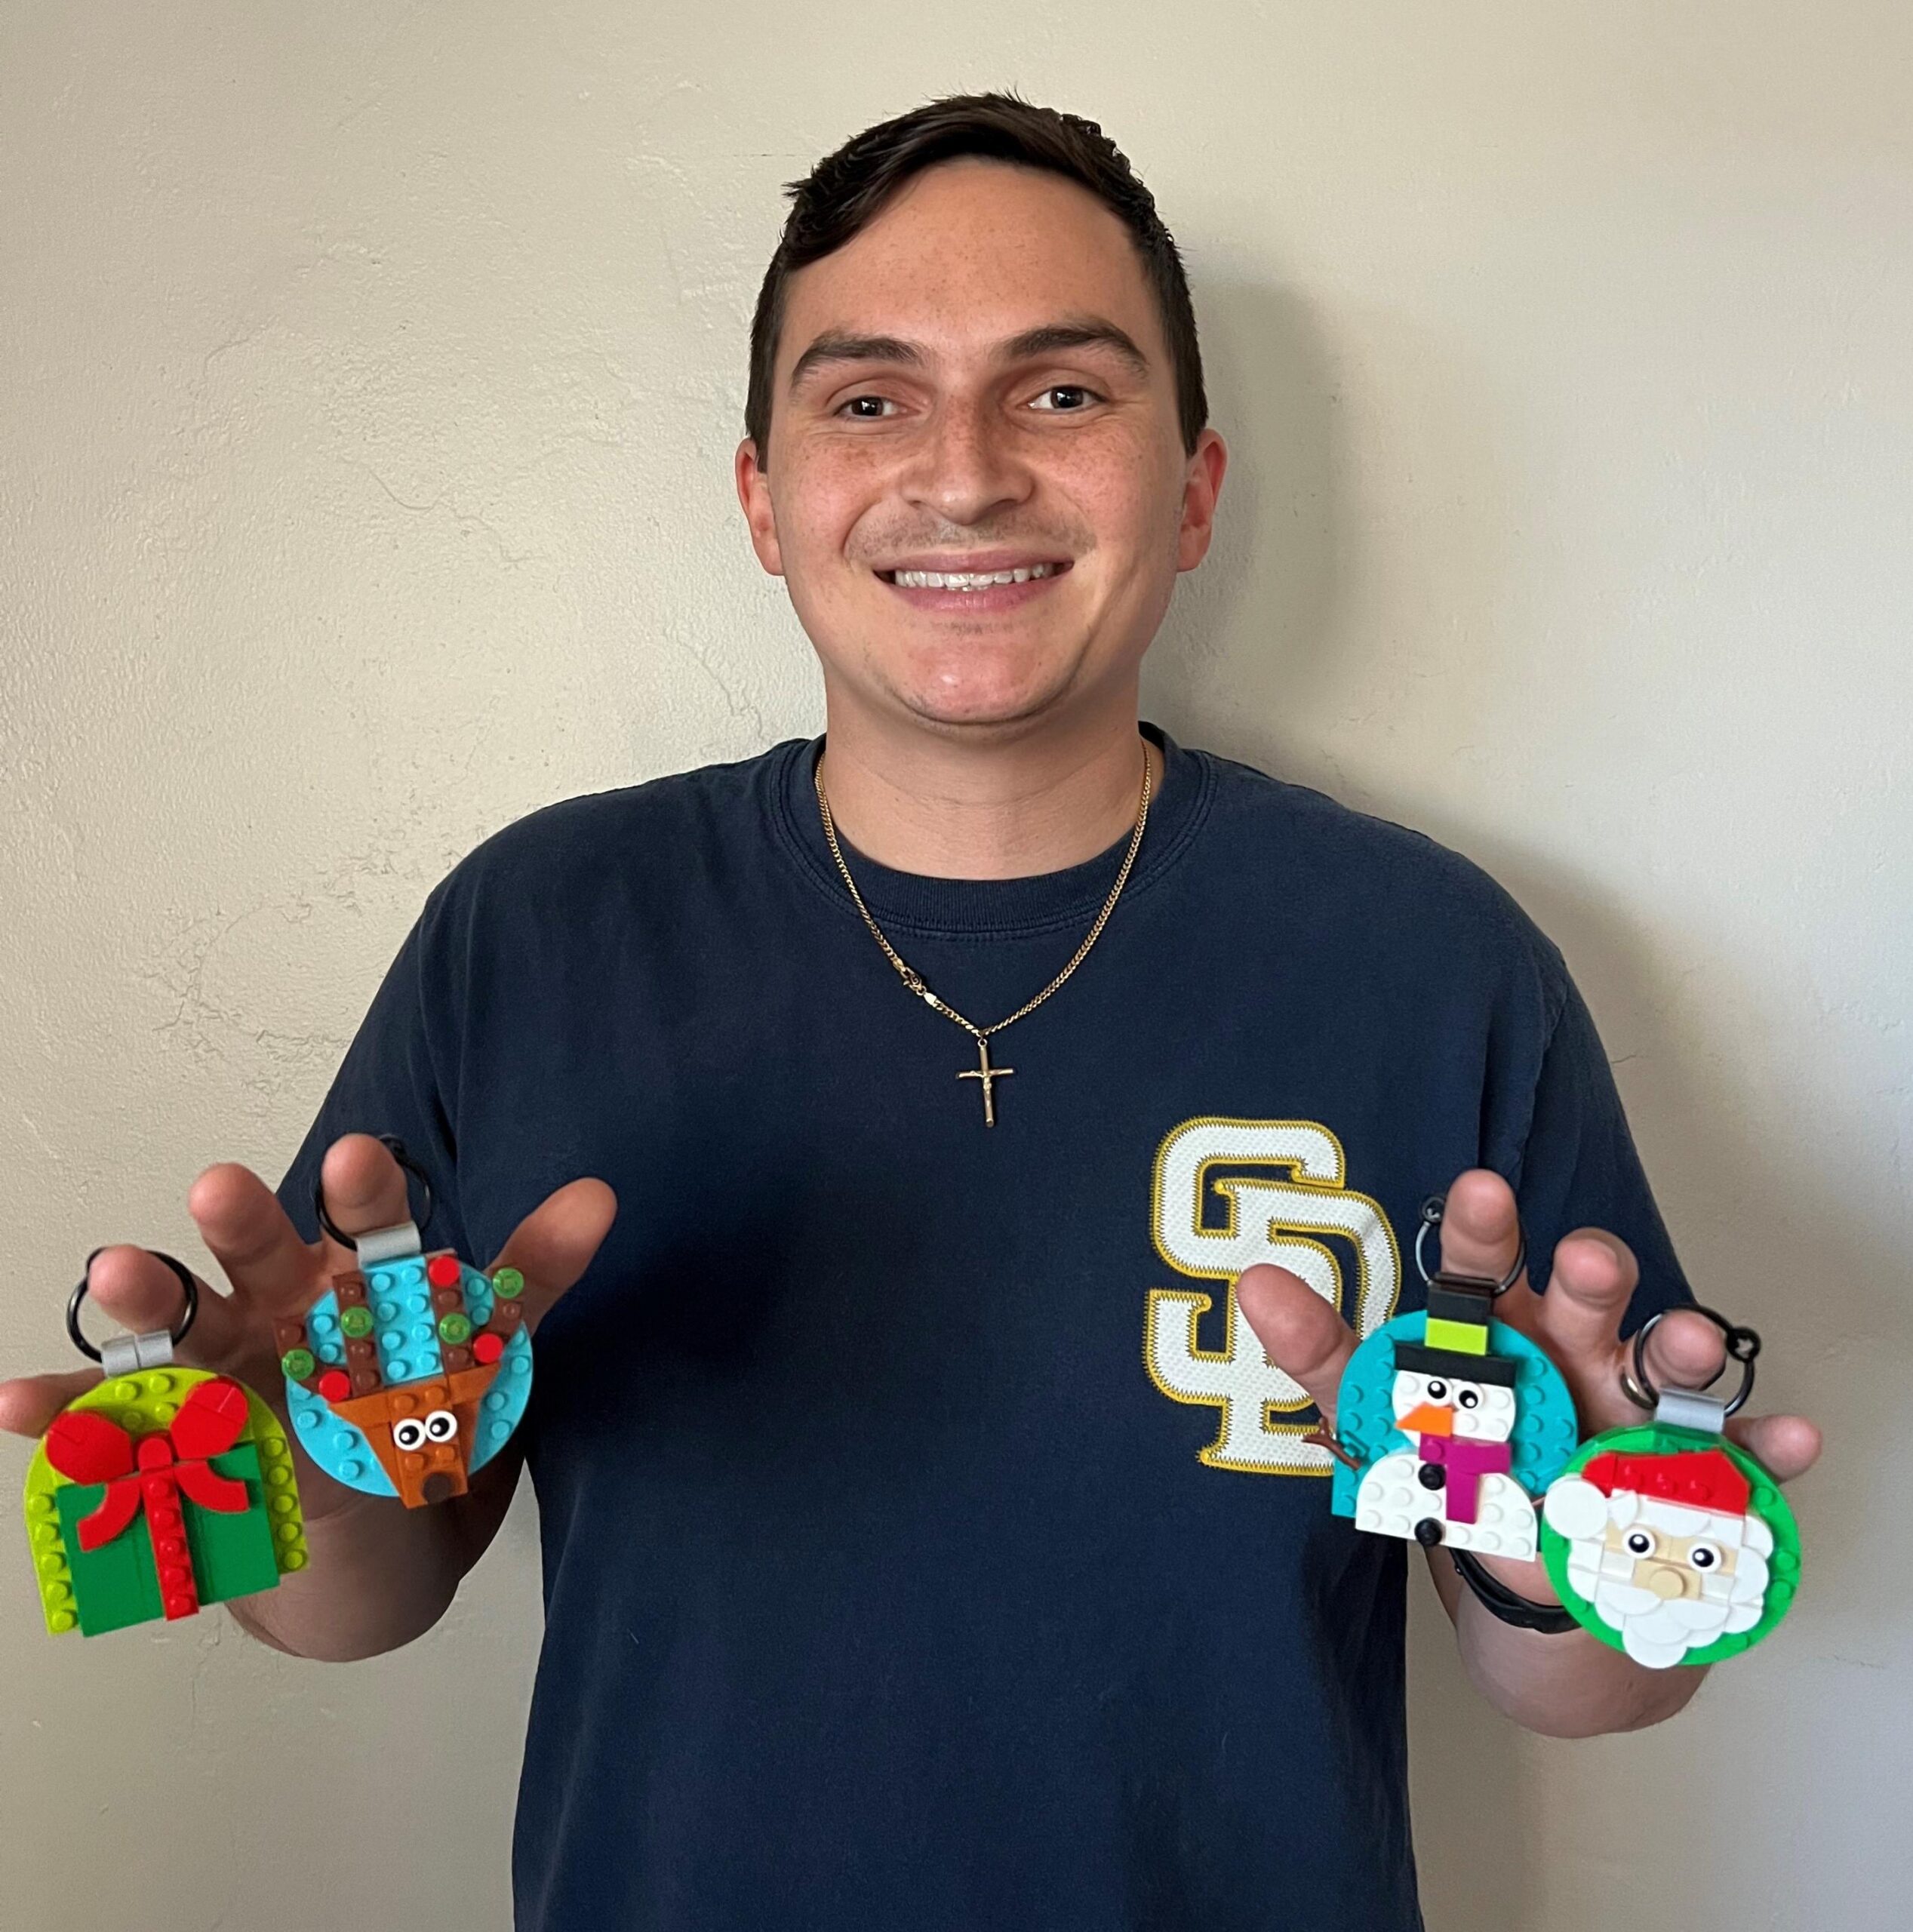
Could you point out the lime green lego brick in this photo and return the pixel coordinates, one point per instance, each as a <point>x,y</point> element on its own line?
<point>1466,1338</point>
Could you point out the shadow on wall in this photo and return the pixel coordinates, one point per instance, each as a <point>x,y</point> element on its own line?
<point>1250,655</point>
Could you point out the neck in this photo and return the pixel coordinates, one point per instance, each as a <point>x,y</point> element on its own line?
<point>950,807</point>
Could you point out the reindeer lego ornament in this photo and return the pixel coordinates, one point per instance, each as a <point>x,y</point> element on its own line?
<point>411,1372</point>
<point>1448,1423</point>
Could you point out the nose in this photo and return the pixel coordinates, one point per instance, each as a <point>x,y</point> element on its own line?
<point>964,469</point>
<point>1430,1418</point>
<point>1670,1582</point>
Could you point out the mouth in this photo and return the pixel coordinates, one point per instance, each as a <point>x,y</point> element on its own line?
<point>975,590</point>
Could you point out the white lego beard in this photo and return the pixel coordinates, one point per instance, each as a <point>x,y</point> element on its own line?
<point>1657,1632</point>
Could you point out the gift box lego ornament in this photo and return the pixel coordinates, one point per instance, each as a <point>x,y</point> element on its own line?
<point>160,1489</point>
<point>1448,1423</point>
<point>412,1371</point>
<point>1667,1540</point>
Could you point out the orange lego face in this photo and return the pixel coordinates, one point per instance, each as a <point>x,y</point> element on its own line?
<point>422,1431</point>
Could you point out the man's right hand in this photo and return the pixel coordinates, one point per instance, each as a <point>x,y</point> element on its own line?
<point>380,1573</point>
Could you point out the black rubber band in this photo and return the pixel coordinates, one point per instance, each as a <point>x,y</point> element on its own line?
<point>1550,1620</point>
<point>396,1148</point>
<point>78,1299</point>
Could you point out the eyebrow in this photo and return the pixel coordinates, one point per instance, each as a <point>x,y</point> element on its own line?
<point>836,346</point>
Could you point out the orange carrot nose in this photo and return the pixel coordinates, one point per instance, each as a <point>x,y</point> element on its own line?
<point>1431,1419</point>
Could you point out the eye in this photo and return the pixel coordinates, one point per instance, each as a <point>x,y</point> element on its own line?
<point>1063,388</point>
<point>882,402</point>
<point>408,1433</point>
<point>1438,1390</point>
<point>1704,1556</point>
<point>1469,1398</point>
<point>441,1425</point>
<point>1641,1542</point>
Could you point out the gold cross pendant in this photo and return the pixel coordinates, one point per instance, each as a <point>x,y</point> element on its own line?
<point>988,1075</point>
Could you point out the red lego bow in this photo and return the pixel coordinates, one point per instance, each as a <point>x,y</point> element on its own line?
<point>82,1444</point>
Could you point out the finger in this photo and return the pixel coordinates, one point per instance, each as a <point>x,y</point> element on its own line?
<point>365,1187</point>
<point>554,1244</point>
<point>1299,1331</point>
<point>139,1291</point>
<point>29,1403</point>
<point>1784,1446</point>
<point>1481,1235</point>
<point>252,1237</point>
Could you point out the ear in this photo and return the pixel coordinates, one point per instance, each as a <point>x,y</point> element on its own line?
<point>753,481</point>
<point>1202,484</point>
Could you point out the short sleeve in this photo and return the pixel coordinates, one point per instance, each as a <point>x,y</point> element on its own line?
<point>389,1081</point>
<point>1579,1168</point>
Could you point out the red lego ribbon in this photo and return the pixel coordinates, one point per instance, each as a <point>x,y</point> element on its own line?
<point>153,1469</point>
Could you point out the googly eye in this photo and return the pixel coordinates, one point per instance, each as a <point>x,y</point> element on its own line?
<point>1641,1542</point>
<point>1704,1556</point>
<point>408,1433</point>
<point>441,1425</point>
<point>1438,1390</point>
<point>1469,1398</point>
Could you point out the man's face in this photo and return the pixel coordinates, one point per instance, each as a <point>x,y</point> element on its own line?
<point>912,430</point>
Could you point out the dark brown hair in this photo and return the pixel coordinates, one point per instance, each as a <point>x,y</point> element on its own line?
<point>846,191</point>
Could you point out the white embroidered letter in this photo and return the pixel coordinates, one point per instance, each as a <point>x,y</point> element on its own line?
<point>1268,1220</point>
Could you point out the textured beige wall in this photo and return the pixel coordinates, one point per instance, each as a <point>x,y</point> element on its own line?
<point>371,376</point>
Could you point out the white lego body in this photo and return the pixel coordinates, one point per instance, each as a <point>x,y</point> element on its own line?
<point>1391,1501</point>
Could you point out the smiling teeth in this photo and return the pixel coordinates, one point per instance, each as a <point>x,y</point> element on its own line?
<point>967,579</point>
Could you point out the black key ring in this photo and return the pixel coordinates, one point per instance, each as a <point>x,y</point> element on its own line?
<point>396,1148</point>
<point>1432,1212</point>
<point>78,1296</point>
<point>1742,1344</point>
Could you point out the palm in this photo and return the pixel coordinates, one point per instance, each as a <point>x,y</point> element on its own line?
<point>273,1275</point>
<point>1577,1322</point>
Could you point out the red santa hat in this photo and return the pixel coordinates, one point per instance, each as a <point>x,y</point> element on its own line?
<point>1699,1478</point>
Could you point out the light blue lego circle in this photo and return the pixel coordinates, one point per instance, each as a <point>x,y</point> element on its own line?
<point>340,1449</point>
<point>1546,1429</point>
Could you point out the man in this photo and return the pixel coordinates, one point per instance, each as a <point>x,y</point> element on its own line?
<point>929,1541</point>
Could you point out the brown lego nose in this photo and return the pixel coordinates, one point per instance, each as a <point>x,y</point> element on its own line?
<point>436,1487</point>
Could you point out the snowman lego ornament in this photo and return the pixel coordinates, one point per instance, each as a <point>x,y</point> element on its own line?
<point>1448,1423</point>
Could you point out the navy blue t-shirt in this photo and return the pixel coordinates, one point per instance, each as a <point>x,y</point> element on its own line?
<point>925,1544</point>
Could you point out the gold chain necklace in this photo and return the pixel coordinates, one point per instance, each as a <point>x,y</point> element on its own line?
<point>983,1072</point>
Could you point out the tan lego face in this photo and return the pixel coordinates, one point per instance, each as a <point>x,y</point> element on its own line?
<point>1675,1568</point>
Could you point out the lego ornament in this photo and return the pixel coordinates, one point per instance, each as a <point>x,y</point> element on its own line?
<point>160,1489</point>
<point>1448,1423</point>
<point>1666,1540</point>
<point>412,1371</point>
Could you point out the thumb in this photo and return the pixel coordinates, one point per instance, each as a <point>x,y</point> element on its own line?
<point>1299,1330</point>
<point>554,1244</point>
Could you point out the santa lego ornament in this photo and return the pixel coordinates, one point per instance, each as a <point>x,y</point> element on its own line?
<point>1448,1423</point>
<point>1668,1541</point>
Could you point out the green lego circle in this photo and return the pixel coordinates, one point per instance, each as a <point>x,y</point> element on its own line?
<point>297,1364</point>
<point>1764,1500</point>
<point>509,1283</point>
<point>356,1322</point>
<point>455,1328</point>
